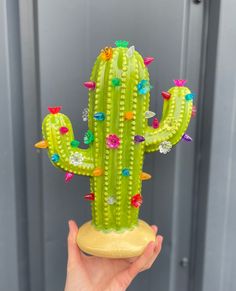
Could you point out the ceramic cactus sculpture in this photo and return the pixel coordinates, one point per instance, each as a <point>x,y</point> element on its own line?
<point>118,135</point>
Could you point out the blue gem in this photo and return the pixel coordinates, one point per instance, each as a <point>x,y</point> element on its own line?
<point>144,87</point>
<point>125,172</point>
<point>190,96</point>
<point>55,158</point>
<point>99,116</point>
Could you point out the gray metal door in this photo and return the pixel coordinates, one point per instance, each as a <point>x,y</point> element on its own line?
<point>60,40</point>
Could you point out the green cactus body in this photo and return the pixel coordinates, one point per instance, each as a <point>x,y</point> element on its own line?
<point>115,164</point>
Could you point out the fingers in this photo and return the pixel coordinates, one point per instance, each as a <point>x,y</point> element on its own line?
<point>154,228</point>
<point>156,252</point>
<point>74,254</point>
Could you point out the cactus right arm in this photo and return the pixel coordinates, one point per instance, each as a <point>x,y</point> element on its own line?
<point>61,150</point>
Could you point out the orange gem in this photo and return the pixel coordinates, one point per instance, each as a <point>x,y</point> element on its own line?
<point>97,172</point>
<point>129,115</point>
<point>106,53</point>
<point>145,176</point>
<point>43,144</point>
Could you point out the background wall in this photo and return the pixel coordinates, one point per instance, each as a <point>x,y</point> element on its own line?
<point>47,49</point>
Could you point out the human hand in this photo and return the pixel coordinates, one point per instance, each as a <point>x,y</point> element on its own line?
<point>90,273</point>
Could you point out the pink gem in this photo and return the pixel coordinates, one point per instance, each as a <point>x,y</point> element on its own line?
<point>113,141</point>
<point>136,200</point>
<point>155,123</point>
<point>68,177</point>
<point>180,83</point>
<point>63,130</point>
<point>54,110</point>
<point>194,111</point>
<point>148,60</point>
<point>90,85</point>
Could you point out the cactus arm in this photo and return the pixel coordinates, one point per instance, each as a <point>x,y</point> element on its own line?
<point>60,144</point>
<point>175,119</point>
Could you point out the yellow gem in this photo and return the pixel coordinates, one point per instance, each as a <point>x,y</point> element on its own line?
<point>43,144</point>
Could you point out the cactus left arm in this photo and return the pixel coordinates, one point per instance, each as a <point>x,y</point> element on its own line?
<point>176,116</point>
<point>62,148</point>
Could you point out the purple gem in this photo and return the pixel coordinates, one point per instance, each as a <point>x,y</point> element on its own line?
<point>186,137</point>
<point>139,138</point>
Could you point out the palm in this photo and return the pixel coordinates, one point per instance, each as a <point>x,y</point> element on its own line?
<point>94,273</point>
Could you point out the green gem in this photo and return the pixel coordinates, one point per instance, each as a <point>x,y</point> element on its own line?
<point>116,82</point>
<point>89,137</point>
<point>75,143</point>
<point>121,43</point>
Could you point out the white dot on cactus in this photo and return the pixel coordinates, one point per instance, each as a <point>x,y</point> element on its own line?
<point>130,51</point>
<point>149,114</point>
<point>165,147</point>
<point>111,200</point>
<point>76,159</point>
<point>85,114</point>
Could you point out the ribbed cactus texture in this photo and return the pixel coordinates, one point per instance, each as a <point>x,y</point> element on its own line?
<point>118,135</point>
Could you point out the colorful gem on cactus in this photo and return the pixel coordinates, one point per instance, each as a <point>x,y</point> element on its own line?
<point>85,114</point>
<point>194,111</point>
<point>68,177</point>
<point>125,172</point>
<point>139,138</point>
<point>144,87</point>
<point>155,123</point>
<point>180,83</point>
<point>165,147</point>
<point>55,158</point>
<point>129,115</point>
<point>145,176</point>
<point>116,82</point>
<point>149,114</point>
<point>148,60</point>
<point>89,137</point>
<point>100,116</point>
<point>54,110</point>
<point>113,141</point>
<point>166,95</point>
<point>89,196</point>
<point>121,43</point>
<point>75,143</point>
<point>43,144</point>
<point>63,130</point>
<point>130,51</point>
<point>97,172</point>
<point>111,200</point>
<point>189,96</point>
<point>90,85</point>
<point>76,159</point>
<point>136,200</point>
<point>186,137</point>
<point>106,53</point>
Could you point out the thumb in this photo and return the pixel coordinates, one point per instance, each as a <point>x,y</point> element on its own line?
<point>74,254</point>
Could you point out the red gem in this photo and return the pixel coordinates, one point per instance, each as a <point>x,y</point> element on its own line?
<point>63,130</point>
<point>90,85</point>
<point>148,60</point>
<point>68,177</point>
<point>165,95</point>
<point>194,111</point>
<point>89,196</point>
<point>54,110</point>
<point>137,200</point>
<point>155,123</point>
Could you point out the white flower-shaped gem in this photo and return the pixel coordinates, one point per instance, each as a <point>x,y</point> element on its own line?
<point>165,147</point>
<point>85,114</point>
<point>111,200</point>
<point>76,159</point>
